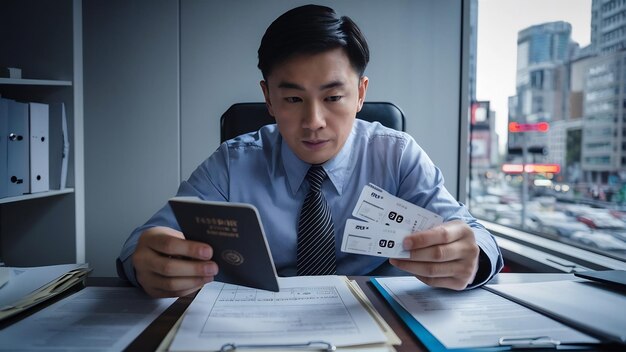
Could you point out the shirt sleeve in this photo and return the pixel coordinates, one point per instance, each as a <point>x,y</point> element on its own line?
<point>422,183</point>
<point>209,182</point>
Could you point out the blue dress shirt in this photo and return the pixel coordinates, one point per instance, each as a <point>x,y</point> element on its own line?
<point>259,168</point>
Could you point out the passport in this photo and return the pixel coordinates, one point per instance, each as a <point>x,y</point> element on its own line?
<point>235,232</point>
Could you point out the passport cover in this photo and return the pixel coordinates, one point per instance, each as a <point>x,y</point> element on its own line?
<point>235,232</point>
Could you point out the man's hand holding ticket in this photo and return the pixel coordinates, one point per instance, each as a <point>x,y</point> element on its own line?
<point>387,220</point>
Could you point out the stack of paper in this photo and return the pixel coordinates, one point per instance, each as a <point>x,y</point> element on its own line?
<point>92,319</point>
<point>26,287</point>
<point>320,311</point>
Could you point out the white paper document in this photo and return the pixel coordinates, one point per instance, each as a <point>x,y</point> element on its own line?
<point>318,308</point>
<point>473,318</point>
<point>22,281</point>
<point>93,319</point>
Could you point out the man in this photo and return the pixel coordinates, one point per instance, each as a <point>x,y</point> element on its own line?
<point>313,65</point>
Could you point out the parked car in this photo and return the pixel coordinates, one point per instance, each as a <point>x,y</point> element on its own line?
<point>558,224</point>
<point>599,240</point>
<point>600,220</point>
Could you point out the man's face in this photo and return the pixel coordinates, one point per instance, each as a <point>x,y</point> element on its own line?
<point>314,99</point>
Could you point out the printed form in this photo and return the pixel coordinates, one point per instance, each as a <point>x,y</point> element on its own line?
<point>320,308</point>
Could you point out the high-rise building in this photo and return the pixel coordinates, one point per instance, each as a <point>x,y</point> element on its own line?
<point>608,25</point>
<point>601,80</point>
<point>603,151</point>
<point>542,81</point>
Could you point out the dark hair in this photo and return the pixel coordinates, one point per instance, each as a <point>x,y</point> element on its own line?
<point>311,29</point>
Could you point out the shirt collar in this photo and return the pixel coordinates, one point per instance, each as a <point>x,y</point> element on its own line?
<point>337,168</point>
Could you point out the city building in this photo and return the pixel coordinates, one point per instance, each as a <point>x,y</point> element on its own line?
<point>483,137</point>
<point>608,25</point>
<point>564,145</point>
<point>604,129</point>
<point>542,83</point>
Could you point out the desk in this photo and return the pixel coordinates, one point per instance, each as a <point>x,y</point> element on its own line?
<point>151,337</point>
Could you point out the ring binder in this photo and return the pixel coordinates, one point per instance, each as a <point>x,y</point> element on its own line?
<point>529,342</point>
<point>311,345</point>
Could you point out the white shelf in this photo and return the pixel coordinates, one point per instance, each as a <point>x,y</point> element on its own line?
<point>34,82</point>
<point>45,231</point>
<point>36,195</point>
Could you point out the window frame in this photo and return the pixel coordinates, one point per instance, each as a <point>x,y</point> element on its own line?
<point>519,247</point>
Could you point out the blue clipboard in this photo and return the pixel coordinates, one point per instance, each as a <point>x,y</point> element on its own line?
<point>433,344</point>
<point>425,337</point>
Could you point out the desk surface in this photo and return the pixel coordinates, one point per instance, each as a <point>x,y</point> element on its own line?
<point>152,336</point>
<point>150,339</point>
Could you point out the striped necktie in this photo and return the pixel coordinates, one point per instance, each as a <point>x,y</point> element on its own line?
<point>316,232</point>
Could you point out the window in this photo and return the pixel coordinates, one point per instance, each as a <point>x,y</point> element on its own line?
<point>556,62</point>
<point>536,79</point>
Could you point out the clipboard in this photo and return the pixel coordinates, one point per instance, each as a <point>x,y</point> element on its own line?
<point>431,342</point>
<point>585,306</point>
<point>235,232</point>
<point>198,329</point>
<point>425,337</point>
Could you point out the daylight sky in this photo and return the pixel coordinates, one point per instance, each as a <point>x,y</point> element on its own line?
<point>498,24</point>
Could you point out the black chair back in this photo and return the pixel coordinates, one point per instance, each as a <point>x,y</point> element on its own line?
<point>242,118</point>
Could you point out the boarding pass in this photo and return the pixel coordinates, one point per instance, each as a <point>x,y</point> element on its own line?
<point>388,219</point>
<point>370,238</point>
<point>378,205</point>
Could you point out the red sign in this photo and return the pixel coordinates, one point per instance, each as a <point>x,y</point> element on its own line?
<point>531,168</point>
<point>526,127</point>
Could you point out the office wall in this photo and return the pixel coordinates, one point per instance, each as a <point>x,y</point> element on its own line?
<point>415,52</point>
<point>131,119</point>
<point>138,95</point>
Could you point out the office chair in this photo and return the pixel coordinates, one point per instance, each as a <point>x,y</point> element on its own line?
<point>242,118</point>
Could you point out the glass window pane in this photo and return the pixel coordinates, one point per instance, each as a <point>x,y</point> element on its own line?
<point>548,121</point>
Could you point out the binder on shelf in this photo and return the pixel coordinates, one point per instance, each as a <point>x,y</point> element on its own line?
<point>4,137</point>
<point>39,148</point>
<point>59,146</point>
<point>18,177</point>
